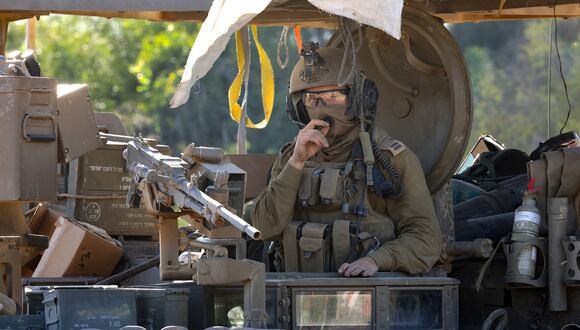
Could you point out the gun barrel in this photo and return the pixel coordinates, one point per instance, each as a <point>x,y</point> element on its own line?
<point>239,223</point>
<point>215,207</point>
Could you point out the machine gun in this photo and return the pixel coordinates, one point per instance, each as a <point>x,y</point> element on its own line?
<point>173,189</point>
<point>162,187</point>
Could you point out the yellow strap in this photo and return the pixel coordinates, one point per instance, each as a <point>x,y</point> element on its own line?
<point>267,77</point>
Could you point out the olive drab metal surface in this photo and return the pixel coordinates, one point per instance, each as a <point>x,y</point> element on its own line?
<point>77,127</point>
<point>327,301</point>
<point>28,133</point>
<point>159,307</point>
<point>424,88</point>
<point>109,122</point>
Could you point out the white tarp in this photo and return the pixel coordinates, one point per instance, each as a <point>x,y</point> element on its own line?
<point>382,14</point>
<point>224,18</point>
<point>227,16</point>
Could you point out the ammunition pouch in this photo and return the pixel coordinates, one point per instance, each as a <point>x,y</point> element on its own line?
<point>321,187</point>
<point>314,245</point>
<point>290,239</point>
<point>331,187</point>
<point>317,247</point>
<point>309,187</point>
<point>341,241</point>
<point>307,247</point>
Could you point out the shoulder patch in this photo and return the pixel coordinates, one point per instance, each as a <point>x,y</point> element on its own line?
<point>387,142</point>
<point>395,146</point>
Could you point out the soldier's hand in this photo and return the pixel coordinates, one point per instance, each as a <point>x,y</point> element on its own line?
<point>310,139</point>
<point>364,266</point>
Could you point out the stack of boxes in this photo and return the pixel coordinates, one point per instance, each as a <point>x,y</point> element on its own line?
<point>97,188</point>
<point>93,186</point>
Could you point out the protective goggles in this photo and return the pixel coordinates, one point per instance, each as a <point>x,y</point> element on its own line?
<point>327,97</point>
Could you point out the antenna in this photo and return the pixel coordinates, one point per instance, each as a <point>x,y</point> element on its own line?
<point>550,82</point>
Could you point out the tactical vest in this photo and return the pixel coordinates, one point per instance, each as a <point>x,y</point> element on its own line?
<point>334,222</point>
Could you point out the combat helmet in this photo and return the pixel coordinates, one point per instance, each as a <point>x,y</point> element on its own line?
<point>319,67</point>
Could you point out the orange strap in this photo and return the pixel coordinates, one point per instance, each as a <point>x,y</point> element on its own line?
<point>298,37</point>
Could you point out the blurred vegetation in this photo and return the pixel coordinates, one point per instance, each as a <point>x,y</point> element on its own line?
<point>509,67</point>
<point>133,66</point>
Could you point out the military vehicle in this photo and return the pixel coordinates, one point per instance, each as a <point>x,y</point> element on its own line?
<point>426,88</point>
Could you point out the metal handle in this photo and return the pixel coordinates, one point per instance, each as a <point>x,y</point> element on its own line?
<point>38,137</point>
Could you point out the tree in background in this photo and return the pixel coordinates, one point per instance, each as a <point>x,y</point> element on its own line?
<point>132,68</point>
<point>509,68</point>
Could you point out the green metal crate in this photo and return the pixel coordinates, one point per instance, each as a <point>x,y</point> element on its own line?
<point>97,308</point>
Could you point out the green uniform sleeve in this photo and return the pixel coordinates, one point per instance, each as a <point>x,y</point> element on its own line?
<point>274,207</point>
<point>418,243</point>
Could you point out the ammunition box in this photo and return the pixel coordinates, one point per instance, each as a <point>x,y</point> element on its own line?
<point>34,301</point>
<point>104,169</point>
<point>200,301</point>
<point>29,133</point>
<point>157,308</point>
<point>95,308</point>
<point>19,322</point>
<point>97,187</point>
<point>113,215</point>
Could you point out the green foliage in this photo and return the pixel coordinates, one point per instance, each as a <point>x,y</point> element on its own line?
<point>509,77</point>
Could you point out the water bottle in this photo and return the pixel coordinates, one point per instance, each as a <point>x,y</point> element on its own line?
<point>526,228</point>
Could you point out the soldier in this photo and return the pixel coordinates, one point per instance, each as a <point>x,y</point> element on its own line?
<point>337,192</point>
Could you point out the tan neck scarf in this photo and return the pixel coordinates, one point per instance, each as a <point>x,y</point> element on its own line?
<point>342,135</point>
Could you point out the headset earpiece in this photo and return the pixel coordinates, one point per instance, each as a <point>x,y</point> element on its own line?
<point>363,97</point>
<point>298,113</point>
<point>303,116</point>
<point>370,95</point>
<point>290,109</point>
